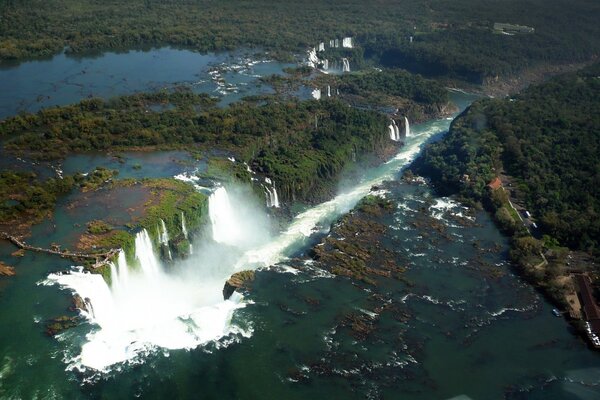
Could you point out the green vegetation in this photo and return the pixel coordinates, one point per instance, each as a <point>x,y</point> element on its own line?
<point>546,140</point>
<point>24,198</point>
<point>97,227</point>
<point>396,83</point>
<point>453,38</point>
<point>293,142</point>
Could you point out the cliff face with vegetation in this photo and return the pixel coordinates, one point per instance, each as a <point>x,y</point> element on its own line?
<point>169,201</point>
<point>546,143</point>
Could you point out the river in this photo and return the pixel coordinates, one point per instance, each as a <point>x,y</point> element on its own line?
<point>473,329</point>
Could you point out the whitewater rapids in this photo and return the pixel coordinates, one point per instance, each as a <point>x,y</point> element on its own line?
<point>148,308</point>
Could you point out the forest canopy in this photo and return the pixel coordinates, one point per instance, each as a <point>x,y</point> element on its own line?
<point>453,39</point>
<point>547,139</point>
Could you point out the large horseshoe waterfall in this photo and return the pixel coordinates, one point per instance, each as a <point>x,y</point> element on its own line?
<point>150,306</point>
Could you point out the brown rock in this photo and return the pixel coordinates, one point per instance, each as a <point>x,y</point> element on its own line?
<point>239,280</point>
<point>6,270</point>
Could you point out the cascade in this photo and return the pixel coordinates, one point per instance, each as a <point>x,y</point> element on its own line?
<point>337,43</point>
<point>275,198</point>
<point>394,131</point>
<point>268,196</point>
<point>316,94</point>
<point>271,197</point>
<point>163,237</point>
<point>347,42</point>
<point>313,59</point>
<point>321,46</point>
<point>406,128</point>
<point>332,43</point>
<point>328,91</point>
<point>183,227</point>
<point>325,64</point>
<point>346,67</point>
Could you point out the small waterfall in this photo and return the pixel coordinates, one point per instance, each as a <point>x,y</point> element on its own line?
<point>316,94</point>
<point>325,65</point>
<point>394,131</point>
<point>406,127</point>
<point>272,199</point>
<point>185,232</point>
<point>347,42</point>
<point>225,227</point>
<point>163,237</point>
<point>183,227</point>
<point>346,66</point>
<point>164,234</point>
<point>332,43</point>
<point>336,43</point>
<point>321,46</point>
<point>275,199</point>
<point>313,59</point>
<point>328,91</point>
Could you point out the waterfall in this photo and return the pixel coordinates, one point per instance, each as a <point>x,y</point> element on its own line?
<point>119,272</point>
<point>316,94</point>
<point>275,198</point>
<point>313,59</point>
<point>336,43</point>
<point>163,237</point>
<point>406,127</point>
<point>185,232</point>
<point>332,43</point>
<point>347,42</point>
<point>325,64</point>
<point>183,228</point>
<point>321,46</point>
<point>271,196</point>
<point>328,91</point>
<point>394,131</point>
<point>346,67</point>
<point>225,228</point>
<point>144,254</point>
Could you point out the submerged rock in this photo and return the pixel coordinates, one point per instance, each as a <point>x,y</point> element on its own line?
<point>59,324</point>
<point>77,303</point>
<point>239,280</point>
<point>6,270</point>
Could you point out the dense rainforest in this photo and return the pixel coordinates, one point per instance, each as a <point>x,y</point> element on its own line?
<point>547,138</point>
<point>453,39</point>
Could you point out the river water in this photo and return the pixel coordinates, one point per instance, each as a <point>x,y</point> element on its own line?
<point>471,328</point>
